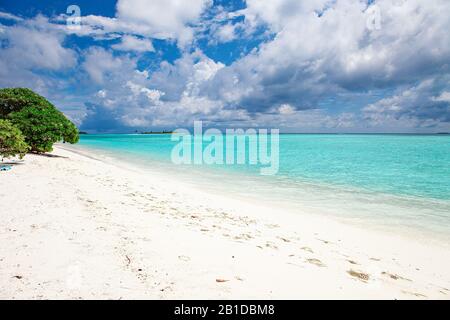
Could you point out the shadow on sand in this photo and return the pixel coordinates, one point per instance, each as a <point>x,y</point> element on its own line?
<point>21,162</point>
<point>48,155</point>
<point>11,163</point>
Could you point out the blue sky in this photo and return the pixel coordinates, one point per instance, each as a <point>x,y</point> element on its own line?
<point>297,65</point>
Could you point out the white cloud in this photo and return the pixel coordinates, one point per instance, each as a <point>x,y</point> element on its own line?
<point>443,97</point>
<point>314,50</point>
<point>101,94</point>
<point>9,16</point>
<point>162,16</point>
<point>154,96</point>
<point>169,97</point>
<point>424,104</point>
<point>33,55</point>
<point>160,19</point>
<point>286,109</point>
<point>101,65</point>
<point>322,48</point>
<point>36,45</point>
<point>225,33</point>
<point>131,43</point>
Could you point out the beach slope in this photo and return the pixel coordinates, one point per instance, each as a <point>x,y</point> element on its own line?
<point>75,226</point>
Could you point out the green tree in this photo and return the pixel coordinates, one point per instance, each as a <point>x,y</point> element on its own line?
<point>12,142</point>
<point>15,99</point>
<point>40,122</point>
<point>43,126</point>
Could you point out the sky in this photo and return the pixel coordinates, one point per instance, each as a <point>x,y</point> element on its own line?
<point>296,65</point>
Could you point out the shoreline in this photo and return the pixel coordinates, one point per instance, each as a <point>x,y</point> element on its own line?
<point>78,227</point>
<point>195,178</point>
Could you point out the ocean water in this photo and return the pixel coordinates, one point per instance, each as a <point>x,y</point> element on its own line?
<point>391,182</point>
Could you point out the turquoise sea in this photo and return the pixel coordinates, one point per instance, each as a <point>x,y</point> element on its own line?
<point>391,182</point>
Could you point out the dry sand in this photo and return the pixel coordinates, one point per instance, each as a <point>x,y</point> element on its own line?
<point>76,227</point>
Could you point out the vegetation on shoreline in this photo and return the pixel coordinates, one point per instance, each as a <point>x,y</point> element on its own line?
<point>36,119</point>
<point>12,141</point>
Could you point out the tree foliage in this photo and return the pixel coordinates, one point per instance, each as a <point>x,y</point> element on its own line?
<point>15,99</point>
<point>12,141</point>
<point>43,126</point>
<point>40,122</point>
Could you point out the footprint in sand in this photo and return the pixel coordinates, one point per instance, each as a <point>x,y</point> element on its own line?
<point>316,262</point>
<point>419,295</point>
<point>271,245</point>
<point>184,258</point>
<point>243,236</point>
<point>395,276</point>
<point>284,239</point>
<point>324,241</point>
<point>308,249</point>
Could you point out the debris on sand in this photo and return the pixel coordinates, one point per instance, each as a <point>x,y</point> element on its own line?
<point>360,275</point>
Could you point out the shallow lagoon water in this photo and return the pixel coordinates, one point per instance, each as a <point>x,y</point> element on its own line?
<point>398,182</point>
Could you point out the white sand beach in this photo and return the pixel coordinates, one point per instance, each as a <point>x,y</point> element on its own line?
<point>77,227</point>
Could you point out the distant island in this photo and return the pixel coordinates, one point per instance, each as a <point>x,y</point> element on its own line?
<point>157,132</point>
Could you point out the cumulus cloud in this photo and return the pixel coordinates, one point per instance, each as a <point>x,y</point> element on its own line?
<point>131,43</point>
<point>33,54</point>
<point>164,18</point>
<point>102,66</point>
<point>168,97</point>
<point>159,19</point>
<point>153,96</point>
<point>425,104</point>
<point>173,97</point>
<point>321,48</point>
<point>314,52</point>
<point>35,45</point>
